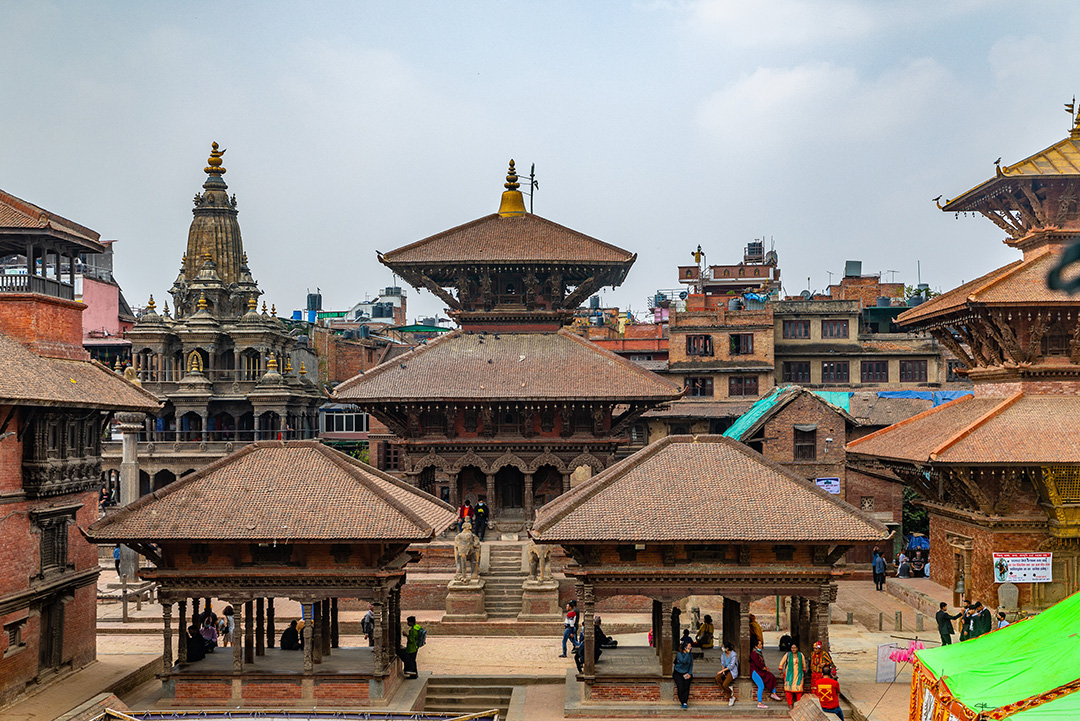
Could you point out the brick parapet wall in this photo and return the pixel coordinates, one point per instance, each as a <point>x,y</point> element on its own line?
<point>49,326</point>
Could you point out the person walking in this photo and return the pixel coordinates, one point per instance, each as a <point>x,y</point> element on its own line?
<point>827,689</point>
<point>944,623</point>
<point>116,559</point>
<point>793,669</point>
<point>230,626</point>
<point>415,637</point>
<point>465,515</point>
<point>481,513</point>
<point>683,672</point>
<point>569,627</point>
<point>761,675</point>
<point>878,564</point>
<point>729,660</point>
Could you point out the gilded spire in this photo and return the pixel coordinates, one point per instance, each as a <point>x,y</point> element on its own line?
<point>271,365</point>
<point>253,305</point>
<point>166,310</point>
<point>264,307</point>
<point>288,364</point>
<point>303,370</point>
<point>512,204</point>
<point>150,305</point>
<point>273,310</point>
<point>202,304</point>
<point>213,164</point>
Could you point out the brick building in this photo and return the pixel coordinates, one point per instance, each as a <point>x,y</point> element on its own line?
<point>998,471</point>
<point>54,404</point>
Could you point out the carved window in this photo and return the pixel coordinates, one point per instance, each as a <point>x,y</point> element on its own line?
<point>639,433</point>
<point>54,542</point>
<point>433,423</point>
<point>54,438</point>
<point>699,344</point>
<point>509,421</point>
<point>834,372</point>
<point>389,457</point>
<point>341,552</point>
<point>912,371</point>
<point>795,372</point>
<point>266,554</point>
<point>200,553</point>
<point>834,329</point>
<point>952,366</point>
<point>471,416</point>
<point>784,553</point>
<point>547,420</point>
<point>796,329</point>
<point>1056,343</point>
<point>699,387</point>
<point>805,443</point>
<point>874,372</point>
<point>866,503</point>
<point>15,642</point>
<point>742,386</point>
<point>741,343</point>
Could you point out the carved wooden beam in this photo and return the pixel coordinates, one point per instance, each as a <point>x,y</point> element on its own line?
<point>835,554</point>
<point>966,334</point>
<point>1033,348</point>
<point>618,425</point>
<point>1018,204</point>
<point>997,220</point>
<point>1006,214</point>
<point>583,291</point>
<point>945,337</point>
<point>420,279</point>
<point>974,491</point>
<point>1005,337</point>
<point>1028,189</point>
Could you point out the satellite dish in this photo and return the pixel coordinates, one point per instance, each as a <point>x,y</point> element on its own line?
<point>807,295</point>
<point>771,258</point>
<point>682,296</point>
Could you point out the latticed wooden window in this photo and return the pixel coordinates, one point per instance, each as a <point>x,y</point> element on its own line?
<point>53,546</point>
<point>1066,481</point>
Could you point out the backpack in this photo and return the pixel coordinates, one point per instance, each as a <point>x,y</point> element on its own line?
<point>421,636</point>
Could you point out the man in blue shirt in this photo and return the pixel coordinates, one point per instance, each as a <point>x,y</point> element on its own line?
<point>879,570</point>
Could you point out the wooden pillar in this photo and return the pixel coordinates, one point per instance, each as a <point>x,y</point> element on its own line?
<point>666,642</point>
<point>249,632</point>
<point>308,660</point>
<point>656,622</point>
<point>181,643</point>
<point>529,498</point>
<point>566,483</point>
<point>587,627</point>
<point>828,594</point>
<point>238,646</point>
<point>325,616</point>
<point>793,617</point>
<point>454,494</point>
<point>316,632</point>
<point>491,494</point>
<point>395,619</point>
<point>378,633</point>
<point>744,634</point>
<point>260,630</point>
<point>334,622</point>
<point>804,626</point>
<point>166,629</point>
<point>270,622</point>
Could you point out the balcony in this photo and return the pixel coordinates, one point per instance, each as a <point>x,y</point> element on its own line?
<point>36,284</point>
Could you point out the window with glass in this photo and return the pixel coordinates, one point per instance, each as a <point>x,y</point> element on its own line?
<point>874,372</point>
<point>796,329</point>
<point>834,372</point>
<point>834,329</point>
<point>805,444</point>
<point>742,386</point>
<point>344,422</point>
<point>699,345</point>
<point>741,343</point>
<point>912,371</point>
<point>699,386</point>
<point>795,371</point>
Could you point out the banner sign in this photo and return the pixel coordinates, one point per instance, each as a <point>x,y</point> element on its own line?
<point>1023,567</point>
<point>832,485</point>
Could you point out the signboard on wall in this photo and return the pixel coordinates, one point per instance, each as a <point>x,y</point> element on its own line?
<point>1023,567</point>
<point>832,485</point>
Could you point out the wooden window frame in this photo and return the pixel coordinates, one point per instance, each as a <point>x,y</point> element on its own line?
<point>796,329</point>
<point>788,372</point>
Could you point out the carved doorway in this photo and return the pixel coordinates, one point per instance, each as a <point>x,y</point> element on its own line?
<point>51,638</point>
<point>510,492</point>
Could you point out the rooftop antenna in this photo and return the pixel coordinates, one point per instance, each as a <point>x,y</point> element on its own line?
<point>830,276</point>
<point>533,185</point>
<point>892,278</point>
<point>918,271</point>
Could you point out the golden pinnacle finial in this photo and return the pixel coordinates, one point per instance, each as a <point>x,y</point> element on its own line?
<point>303,370</point>
<point>512,204</point>
<point>271,365</point>
<point>264,307</point>
<point>214,166</point>
<point>183,260</point>
<point>150,305</point>
<point>202,304</point>
<point>273,310</point>
<point>288,364</point>
<point>166,309</point>
<point>253,305</point>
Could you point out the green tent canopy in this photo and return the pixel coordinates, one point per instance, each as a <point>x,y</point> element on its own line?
<point>1025,660</point>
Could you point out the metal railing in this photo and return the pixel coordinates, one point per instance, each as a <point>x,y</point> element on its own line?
<point>36,284</point>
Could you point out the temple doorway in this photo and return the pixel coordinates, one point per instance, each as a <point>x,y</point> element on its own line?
<point>510,492</point>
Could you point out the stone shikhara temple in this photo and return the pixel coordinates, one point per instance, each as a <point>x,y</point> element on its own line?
<point>510,405</point>
<point>1000,472</point>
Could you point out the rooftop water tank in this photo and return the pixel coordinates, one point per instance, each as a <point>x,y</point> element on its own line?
<point>735,303</point>
<point>852,269</point>
<point>884,301</point>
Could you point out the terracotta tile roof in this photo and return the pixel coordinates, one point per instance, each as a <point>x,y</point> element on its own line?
<point>1060,159</point>
<point>19,215</point>
<point>701,488</point>
<point>872,410</point>
<point>284,491</point>
<point>516,366</point>
<point>521,239</point>
<point>27,378</point>
<point>689,408</point>
<point>1014,429</point>
<point>1021,283</point>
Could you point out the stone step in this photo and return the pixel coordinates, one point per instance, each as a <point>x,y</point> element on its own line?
<point>458,697</point>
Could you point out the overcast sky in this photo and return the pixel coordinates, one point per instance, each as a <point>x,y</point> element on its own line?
<point>824,127</point>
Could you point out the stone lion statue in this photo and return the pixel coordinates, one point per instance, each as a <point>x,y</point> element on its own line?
<point>539,561</point>
<point>466,554</point>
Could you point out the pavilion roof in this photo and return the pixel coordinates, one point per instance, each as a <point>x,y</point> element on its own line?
<point>983,430</point>
<point>19,217</point>
<point>1059,160</point>
<point>289,491</point>
<point>708,489</point>
<point>1022,282</point>
<point>494,238</point>
<point>29,379</point>
<point>551,366</point>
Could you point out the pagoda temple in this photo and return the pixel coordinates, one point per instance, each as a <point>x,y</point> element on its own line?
<point>509,405</point>
<point>227,374</point>
<point>1000,472</point>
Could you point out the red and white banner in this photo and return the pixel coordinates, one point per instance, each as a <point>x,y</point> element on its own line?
<point>1023,567</point>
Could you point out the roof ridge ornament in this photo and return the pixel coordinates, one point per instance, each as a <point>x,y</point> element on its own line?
<point>513,203</point>
<point>213,163</point>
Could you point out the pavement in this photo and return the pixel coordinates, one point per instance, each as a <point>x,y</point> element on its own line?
<point>122,654</point>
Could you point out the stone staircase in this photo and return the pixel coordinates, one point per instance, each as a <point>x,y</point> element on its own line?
<point>502,582</point>
<point>460,696</point>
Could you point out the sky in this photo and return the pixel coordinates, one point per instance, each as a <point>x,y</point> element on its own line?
<point>825,128</point>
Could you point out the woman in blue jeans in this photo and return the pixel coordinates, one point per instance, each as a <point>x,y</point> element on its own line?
<point>569,626</point>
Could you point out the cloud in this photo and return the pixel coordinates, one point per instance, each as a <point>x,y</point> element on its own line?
<point>783,22</point>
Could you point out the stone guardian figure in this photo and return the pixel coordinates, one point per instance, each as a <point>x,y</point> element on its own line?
<point>466,554</point>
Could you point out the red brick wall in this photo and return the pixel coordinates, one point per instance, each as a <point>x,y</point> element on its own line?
<point>202,689</point>
<point>271,690</point>
<point>779,433</point>
<point>351,691</point>
<point>10,462</point>
<point>888,498</point>
<point>50,326</point>
<point>624,691</point>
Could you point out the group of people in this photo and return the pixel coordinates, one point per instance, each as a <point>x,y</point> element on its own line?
<point>975,620</point>
<point>917,566</point>
<point>574,632</point>
<point>478,516</point>
<point>208,631</point>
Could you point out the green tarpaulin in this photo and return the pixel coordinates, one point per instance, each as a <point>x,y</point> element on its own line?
<point>760,408</point>
<point>1025,659</point>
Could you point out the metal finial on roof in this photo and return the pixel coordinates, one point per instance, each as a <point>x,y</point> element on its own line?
<point>202,304</point>
<point>150,305</point>
<point>253,305</point>
<point>213,164</point>
<point>264,307</point>
<point>288,364</point>
<point>273,309</point>
<point>511,178</point>
<point>512,204</point>
<point>303,370</point>
<point>166,309</point>
<point>271,365</point>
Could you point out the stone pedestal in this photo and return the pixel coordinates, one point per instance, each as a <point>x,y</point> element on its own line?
<point>540,601</point>
<point>465,601</point>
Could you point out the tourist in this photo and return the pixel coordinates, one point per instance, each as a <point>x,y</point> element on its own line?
<point>569,627</point>
<point>300,630</point>
<point>367,625</point>
<point>827,689</point>
<point>984,620</point>
<point>290,638</point>
<point>878,564</point>
<point>683,672</point>
<point>116,559</point>
<point>465,515</point>
<point>944,623</point>
<point>602,639</point>
<point>904,569</point>
<point>414,639</point>
<point>196,646</point>
<point>705,633</point>
<point>755,631</point>
<point>230,626</point>
<point>820,659</point>
<point>686,638</point>
<point>793,667</point>
<point>918,565</point>
<point>481,513</point>
<point>1001,622</point>
<point>209,633</point>
<point>761,675</point>
<point>729,660</point>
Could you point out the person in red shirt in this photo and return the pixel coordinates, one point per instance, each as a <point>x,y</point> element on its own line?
<point>827,689</point>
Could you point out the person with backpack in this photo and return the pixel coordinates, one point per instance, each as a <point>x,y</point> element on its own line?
<point>415,638</point>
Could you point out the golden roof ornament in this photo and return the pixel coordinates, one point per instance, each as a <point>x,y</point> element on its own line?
<point>512,204</point>
<point>253,305</point>
<point>264,308</point>
<point>202,304</point>
<point>303,370</point>
<point>273,310</point>
<point>288,365</point>
<point>150,305</point>
<point>166,309</point>
<point>213,164</point>
<point>271,365</point>
<point>1070,108</point>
